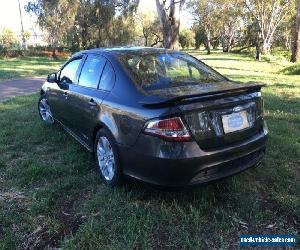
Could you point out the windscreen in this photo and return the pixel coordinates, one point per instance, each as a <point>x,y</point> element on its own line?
<point>167,70</point>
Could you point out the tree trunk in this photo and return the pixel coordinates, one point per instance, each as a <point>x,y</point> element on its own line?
<point>84,35</point>
<point>145,34</point>
<point>258,46</point>
<point>54,53</point>
<point>170,21</point>
<point>227,42</point>
<point>266,48</point>
<point>208,45</point>
<point>296,42</point>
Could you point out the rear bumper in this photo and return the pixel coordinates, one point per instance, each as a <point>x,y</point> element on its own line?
<point>180,164</point>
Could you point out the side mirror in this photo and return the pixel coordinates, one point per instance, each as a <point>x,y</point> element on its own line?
<point>52,77</point>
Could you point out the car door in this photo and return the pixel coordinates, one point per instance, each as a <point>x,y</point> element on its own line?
<point>86,97</point>
<point>58,95</point>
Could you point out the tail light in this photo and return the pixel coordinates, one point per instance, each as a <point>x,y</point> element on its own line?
<point>171,129</point>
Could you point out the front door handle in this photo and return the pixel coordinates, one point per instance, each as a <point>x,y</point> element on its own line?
<point>65,94</point>
<point>92,102</point>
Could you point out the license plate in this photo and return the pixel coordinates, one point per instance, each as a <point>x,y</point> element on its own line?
<point>235,122</point>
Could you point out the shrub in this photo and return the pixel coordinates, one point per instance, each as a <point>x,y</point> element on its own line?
<point>292,70</point>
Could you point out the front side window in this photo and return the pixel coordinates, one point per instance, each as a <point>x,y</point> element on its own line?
<point>68,73</point>
<point>166,70</point>
<point>91,71</point>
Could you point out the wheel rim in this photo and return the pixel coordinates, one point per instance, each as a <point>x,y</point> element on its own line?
<point>106,159</point>
<point>45,111</point>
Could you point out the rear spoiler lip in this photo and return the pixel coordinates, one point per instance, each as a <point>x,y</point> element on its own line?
<point>201,96</point>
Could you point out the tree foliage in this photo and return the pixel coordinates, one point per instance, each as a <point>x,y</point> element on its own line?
<point>8,38</point>
<point>243,23</point>
<point>85,23</point>
<point>267,16</point>
<point>234,25</point>
<point>187,38</point>
<point>149,26</point>
<point>218,20</point>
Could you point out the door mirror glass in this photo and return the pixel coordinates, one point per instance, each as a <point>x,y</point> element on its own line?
<point>52,77</point>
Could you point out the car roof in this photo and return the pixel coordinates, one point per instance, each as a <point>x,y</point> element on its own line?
<point>124,50</point>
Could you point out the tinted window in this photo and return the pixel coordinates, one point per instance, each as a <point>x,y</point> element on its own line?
<point>107,78</point>
<point>91,71</point>
<point>167,70</point>
<point>68,73</point>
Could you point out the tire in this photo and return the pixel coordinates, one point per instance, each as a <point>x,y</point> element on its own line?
<point>107,158</point>
<point>45,110</point>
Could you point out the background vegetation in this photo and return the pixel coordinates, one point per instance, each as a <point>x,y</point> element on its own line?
<point>232,25</point>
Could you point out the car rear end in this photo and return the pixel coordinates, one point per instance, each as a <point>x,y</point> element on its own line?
<point>195,145</point>
<point>215,130</point>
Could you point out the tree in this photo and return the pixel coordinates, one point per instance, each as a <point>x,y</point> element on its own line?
<point>81,33</point>
<point>26,35</point>
<point>296,41</point>
<point>85,23</point>
<point>148,25</point>
<point>204,13</point>
<point>169,15</point>
<point>8,38</point>
<point>200,37</point>
<point>229,13</point>
<point>22,28</point>
<point>187,38</point>
<point>104,13</point>
<point>56,17</point>
<point>267,16</point>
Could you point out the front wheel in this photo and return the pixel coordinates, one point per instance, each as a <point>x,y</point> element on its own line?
<point>107,157</point>
<point>44,110</point>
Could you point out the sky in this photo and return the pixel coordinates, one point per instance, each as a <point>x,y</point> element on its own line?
<point>10,17</point>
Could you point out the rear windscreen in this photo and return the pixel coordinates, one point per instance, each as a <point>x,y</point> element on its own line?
<point>167,70</point>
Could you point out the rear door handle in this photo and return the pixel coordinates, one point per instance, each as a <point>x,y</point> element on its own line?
<point>92,102</point>
<point>65,94</point>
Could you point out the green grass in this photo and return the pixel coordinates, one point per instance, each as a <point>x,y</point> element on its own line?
<point>14,68</point>
<point>51,194</point>
<point>292,70</point>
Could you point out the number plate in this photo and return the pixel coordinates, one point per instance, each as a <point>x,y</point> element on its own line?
<point>235,121</point>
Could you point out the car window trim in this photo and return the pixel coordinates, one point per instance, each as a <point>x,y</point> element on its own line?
<point>114,80</point>
<point>98,87</point>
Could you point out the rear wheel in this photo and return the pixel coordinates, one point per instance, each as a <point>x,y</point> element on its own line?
<point>44,110</point>
<point>107,157</point>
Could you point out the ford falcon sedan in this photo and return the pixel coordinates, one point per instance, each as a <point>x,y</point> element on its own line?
<point>160,116</point>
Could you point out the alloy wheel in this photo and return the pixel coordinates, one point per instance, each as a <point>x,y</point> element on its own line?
<point>106,158</point>
<point>45,111</point>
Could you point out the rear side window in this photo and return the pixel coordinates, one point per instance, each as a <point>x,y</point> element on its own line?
<point>108,78</point>
<point>68,73</point>
<point>91,71</point>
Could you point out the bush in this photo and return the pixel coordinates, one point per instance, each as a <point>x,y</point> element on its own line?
<point>187,38</point>
<point>292,70</point>
<point>34,51</point>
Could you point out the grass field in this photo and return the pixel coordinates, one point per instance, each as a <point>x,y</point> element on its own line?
<point>51,194</point>
<point>14,68</point>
